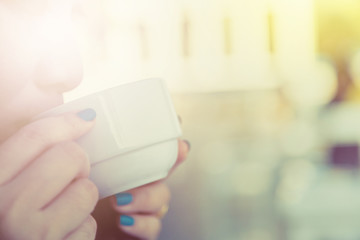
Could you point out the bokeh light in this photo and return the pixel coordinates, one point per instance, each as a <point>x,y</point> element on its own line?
<point>268,92</point>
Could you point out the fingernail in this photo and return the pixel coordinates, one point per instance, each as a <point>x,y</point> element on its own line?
<point>127,220</point>
<point>188,144</point>
<point>123,199</point>
<point>88,114</point>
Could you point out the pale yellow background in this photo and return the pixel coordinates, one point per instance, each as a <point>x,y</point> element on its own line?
<point>250,79</point>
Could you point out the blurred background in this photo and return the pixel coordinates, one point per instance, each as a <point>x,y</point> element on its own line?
<point>268,93</point>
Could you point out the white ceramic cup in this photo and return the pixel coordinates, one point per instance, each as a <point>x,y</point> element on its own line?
<point>134,141</point>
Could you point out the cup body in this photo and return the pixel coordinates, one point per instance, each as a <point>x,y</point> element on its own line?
<point>134,141</point>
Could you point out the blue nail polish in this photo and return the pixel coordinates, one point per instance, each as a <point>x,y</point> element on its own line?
<point>88,114</point>
<point>123,199</point>
<point>127,220</point>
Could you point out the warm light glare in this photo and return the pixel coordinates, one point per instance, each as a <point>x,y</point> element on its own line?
<point>226,43</point>
<point>266,90</point>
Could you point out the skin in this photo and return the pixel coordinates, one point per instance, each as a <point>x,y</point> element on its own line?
<point>44,187</point>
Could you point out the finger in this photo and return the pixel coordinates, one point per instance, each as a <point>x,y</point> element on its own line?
<point>32,140</point>
<point>162,212</point>
<point>50,174</point>
<point>145,199</point>
<point>71,207</point>
<point>86,231</point>
<point>184,148</point>
<point>141,226</point>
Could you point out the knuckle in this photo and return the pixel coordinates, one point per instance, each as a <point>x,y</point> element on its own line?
<point>62,127</point>
<point>87,231</point>
<point>69,121</point>
<point>87,194</point>
<point>33,132</point>
<point>148,197</point>
<point>149,227</point>
<point>156,197</point>
<point>156,229</point>
<point>91,227</point>
<point>166,193</point>
<point>91,188</point>
<point>74,152</point>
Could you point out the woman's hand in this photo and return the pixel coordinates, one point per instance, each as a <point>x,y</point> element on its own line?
<point>45,192</point>
<point>141,209</point>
